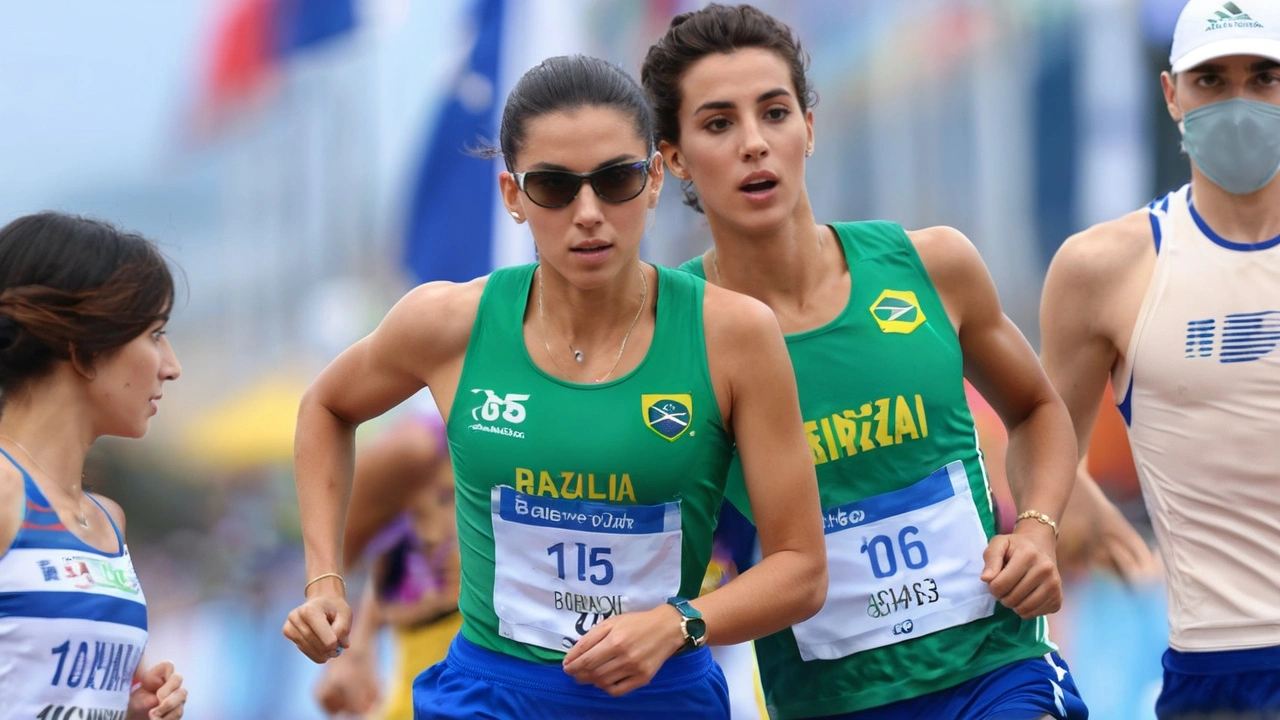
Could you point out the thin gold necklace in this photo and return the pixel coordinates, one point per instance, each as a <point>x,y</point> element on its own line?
<point>577,354</point>
<point>84,521</point>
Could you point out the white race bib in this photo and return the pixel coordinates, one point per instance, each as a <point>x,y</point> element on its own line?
<point>901,565</point>
<point>561,566</point>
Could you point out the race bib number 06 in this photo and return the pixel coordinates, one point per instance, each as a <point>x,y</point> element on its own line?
<point>561,566</point>
<point>901,565</point>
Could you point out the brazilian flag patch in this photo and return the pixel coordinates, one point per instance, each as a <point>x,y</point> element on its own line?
<point>668,415</point>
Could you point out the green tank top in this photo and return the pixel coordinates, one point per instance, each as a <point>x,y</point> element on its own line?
<point>906,503</point>
<point>576,502</point>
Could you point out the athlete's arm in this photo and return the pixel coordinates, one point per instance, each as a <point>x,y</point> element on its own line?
<point>1021,568</point>
<point>790,583</point>
<point>387,474</point>
<point>350,683</point>
<point>1093,288</point>
<point>421,339</point>
<point>757,394</point>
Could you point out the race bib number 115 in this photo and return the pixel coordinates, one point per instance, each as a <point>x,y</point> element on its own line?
<point>564,565</point>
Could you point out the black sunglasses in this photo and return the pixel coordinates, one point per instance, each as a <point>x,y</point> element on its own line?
<point>557,188</point>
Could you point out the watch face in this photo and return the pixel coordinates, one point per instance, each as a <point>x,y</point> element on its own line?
<point>696,628</point>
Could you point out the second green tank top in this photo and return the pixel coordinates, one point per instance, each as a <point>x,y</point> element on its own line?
<point>906,505</point>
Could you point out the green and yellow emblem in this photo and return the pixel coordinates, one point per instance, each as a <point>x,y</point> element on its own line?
<point>897,311</point>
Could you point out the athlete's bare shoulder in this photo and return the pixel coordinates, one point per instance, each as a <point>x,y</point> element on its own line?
<point>434,318</point>
<point>442,306</point>
<point>948,255</point>
<point>112,508</point>
<point>746,355</point>
<point>1096,283</point>
<point>740,333</point>
<point>1107,254</point>
<point>958,273</point>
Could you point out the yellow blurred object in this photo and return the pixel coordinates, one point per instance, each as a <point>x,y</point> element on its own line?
<point>416,650</point>
<point>251,428</point>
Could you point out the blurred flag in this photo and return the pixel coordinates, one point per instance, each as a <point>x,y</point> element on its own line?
<point>251,40</point>
<point>302,24</point>
<point>450,222</point>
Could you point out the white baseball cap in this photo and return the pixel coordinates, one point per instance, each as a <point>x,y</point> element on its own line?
<point>1209,29</point>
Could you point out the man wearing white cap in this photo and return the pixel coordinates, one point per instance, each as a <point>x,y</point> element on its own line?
<point>1179,303</point>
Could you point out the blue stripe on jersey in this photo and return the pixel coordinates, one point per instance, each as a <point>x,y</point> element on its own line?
<point>31,539</point>
<point>114,528</point>
<point>1157,210</point>
<point>33,492</point>
<point>1249,336</point>
<point>1228,244</point>
<point>49,532</point>
<point>1126,405</point>
<point>78,605</point>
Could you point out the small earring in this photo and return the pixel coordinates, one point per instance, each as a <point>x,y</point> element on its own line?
<point>515,215</point>
<point>808,152</point>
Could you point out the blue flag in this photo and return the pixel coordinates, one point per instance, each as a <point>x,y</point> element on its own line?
<point>301,24</point>
<point>450,223</point>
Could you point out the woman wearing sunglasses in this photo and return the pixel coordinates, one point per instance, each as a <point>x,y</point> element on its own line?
<point>594,402</point>
<point>930,613</point>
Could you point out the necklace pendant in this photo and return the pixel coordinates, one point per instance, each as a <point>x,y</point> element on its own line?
<point>577,355</point>
<point>84,521</point>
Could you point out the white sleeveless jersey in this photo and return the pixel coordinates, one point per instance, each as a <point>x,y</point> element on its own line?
<point>1201,397</point>
<point>73,622</point>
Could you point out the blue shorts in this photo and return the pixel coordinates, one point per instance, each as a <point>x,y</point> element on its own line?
<point>1227,684</point>
<point>1024,690</point>
<point>476,683</point>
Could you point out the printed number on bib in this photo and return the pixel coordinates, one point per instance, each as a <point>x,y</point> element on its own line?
<point>96,664</point>
<point>902,565</point>
<point>562,566</point>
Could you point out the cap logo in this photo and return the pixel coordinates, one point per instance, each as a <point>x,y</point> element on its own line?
<point>1230,17</point>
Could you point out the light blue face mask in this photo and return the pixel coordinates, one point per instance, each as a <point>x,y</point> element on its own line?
<point>1235,143</point>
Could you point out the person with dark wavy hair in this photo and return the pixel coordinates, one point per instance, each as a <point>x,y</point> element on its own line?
<point>930,612</point>
<point>83,307</point>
